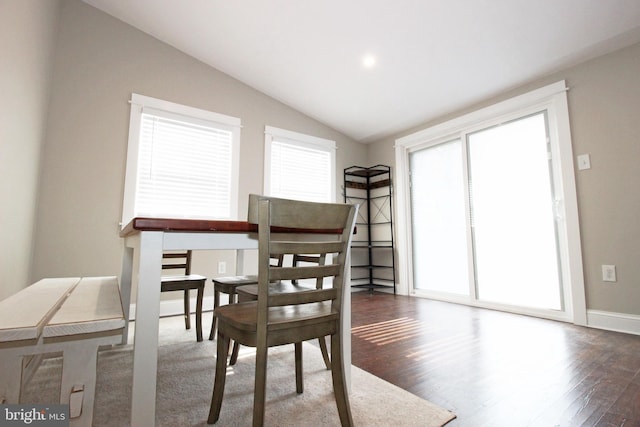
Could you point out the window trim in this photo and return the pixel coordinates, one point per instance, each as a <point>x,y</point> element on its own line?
<point>300,139</point>
<point>138,104</point>
<point>553,98</point>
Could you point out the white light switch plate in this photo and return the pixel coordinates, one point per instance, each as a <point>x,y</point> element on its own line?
<point>608,273</point>
<point>584,162</point>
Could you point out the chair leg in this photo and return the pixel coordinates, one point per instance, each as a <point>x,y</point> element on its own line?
<point>259,393</point>
<point>216,303</point>
<point>221,376</point>
<point>187,310</point>
<point>325,352</point>
<point>298,356</point>
<point>234,353</point>
<point>199,313</point>
<point>339,382</point>
<point>233,299</point>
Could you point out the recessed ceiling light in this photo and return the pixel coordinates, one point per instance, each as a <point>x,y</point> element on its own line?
<point>369,61</point>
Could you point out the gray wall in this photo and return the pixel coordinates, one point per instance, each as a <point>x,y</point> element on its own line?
<point>99,62</point>
<point>604,110</point>
<point>27,35</point>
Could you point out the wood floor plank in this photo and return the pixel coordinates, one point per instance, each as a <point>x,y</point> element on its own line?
<point>498,369</point>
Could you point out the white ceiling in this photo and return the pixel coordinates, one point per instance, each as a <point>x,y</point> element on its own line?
<point>433,56</point>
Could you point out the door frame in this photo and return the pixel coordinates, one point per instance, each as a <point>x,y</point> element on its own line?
<point>552,98</point>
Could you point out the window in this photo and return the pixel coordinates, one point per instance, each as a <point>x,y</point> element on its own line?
<point>182,162</point>
<point>299,166</point>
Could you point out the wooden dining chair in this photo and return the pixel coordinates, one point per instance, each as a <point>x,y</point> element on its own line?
<point>290,318</point>
<point>184,281</point>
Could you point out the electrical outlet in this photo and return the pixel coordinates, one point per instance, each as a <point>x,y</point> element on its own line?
<point>222,267</point>
<point>608,273</point>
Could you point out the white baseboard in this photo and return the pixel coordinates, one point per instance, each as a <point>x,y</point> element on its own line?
<point>619,322</point>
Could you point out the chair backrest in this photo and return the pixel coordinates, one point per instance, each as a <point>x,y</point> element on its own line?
<point>177,260</point>
<point>320,229</point>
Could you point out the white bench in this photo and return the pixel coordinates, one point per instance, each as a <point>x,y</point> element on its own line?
<point>71,315</point>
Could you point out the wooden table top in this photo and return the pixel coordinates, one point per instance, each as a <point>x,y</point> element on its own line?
<point>205,226</point>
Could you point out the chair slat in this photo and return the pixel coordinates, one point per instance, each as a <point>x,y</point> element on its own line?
<point>306,248</point>
<point>305,272</point>
<point>303,297</point>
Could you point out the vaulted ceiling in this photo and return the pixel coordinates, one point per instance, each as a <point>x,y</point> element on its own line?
<point>426,57</point>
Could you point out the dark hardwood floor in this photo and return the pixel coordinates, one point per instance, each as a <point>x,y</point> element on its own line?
<point>498,369</point>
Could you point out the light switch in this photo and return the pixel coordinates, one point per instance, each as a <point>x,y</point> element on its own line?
<point>584,162</point>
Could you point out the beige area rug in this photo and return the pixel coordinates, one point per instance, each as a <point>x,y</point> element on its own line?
<point>185,383</point>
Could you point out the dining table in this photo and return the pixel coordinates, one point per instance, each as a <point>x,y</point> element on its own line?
<point>145,239</point>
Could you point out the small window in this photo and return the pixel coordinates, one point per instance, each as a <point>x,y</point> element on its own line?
<point>299,166</point>
<point>182,162</point>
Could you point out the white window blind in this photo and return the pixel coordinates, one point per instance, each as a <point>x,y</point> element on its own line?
<point>181,165</point>
<point>299,166</point>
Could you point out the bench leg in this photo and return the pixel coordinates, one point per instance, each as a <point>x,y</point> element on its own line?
<point>10,377</point>
<point>79,363</point>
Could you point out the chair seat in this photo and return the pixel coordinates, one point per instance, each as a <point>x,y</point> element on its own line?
<point>180,282</point>
<point>236,280</point>
<point>242,317</point>
<point>229,284</point>
<point>183,278</point>
<point>250,292</point>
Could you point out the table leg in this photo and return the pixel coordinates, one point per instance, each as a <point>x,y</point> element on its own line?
<point>125,289</point>
<point>239,262</point>
<point>145,345</point>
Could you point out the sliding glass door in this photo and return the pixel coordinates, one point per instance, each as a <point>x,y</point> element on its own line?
<point>483,216</point>
<point>488,211</point>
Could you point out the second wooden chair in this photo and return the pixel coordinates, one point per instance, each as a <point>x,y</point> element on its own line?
<point>184,282</point>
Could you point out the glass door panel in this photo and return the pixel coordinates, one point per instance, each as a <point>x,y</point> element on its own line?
<point>438,219</point>
<point>512,215</point>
